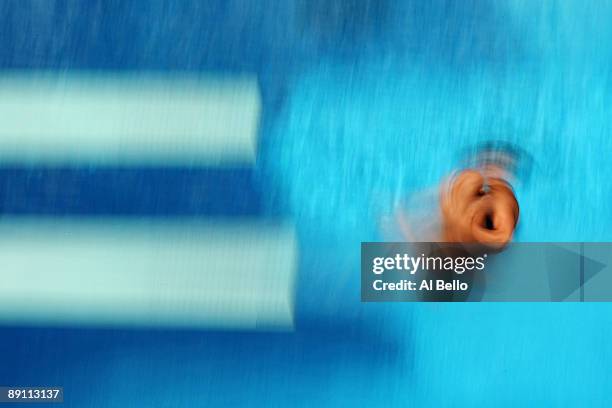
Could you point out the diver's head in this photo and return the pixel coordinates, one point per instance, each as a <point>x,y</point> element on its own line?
<point>479,206</point>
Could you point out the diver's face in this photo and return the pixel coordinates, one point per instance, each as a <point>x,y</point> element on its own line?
<point>479,207</point>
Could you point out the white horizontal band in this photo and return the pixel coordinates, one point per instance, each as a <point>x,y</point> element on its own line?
<point>128,119</point>
<point>167,274</point>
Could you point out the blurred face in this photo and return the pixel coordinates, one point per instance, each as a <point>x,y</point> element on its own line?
<point>479,206</point>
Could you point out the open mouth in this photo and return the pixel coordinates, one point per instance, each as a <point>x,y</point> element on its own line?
<point>488,222</point>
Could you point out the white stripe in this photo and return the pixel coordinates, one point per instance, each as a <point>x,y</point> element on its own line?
<point>191,274</point>
<point>131,119</point>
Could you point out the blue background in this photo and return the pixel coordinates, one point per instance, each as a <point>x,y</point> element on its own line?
<point>363,102</point>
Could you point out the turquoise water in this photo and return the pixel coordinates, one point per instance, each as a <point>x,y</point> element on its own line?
<point>364,102</point>
<point>358,138</point>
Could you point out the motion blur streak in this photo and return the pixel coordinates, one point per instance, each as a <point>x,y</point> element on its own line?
<point>363,103</point>
<point>167,274</point>
<point>128,118</point>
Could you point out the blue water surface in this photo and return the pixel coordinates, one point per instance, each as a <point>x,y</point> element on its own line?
<point>364,103</point>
